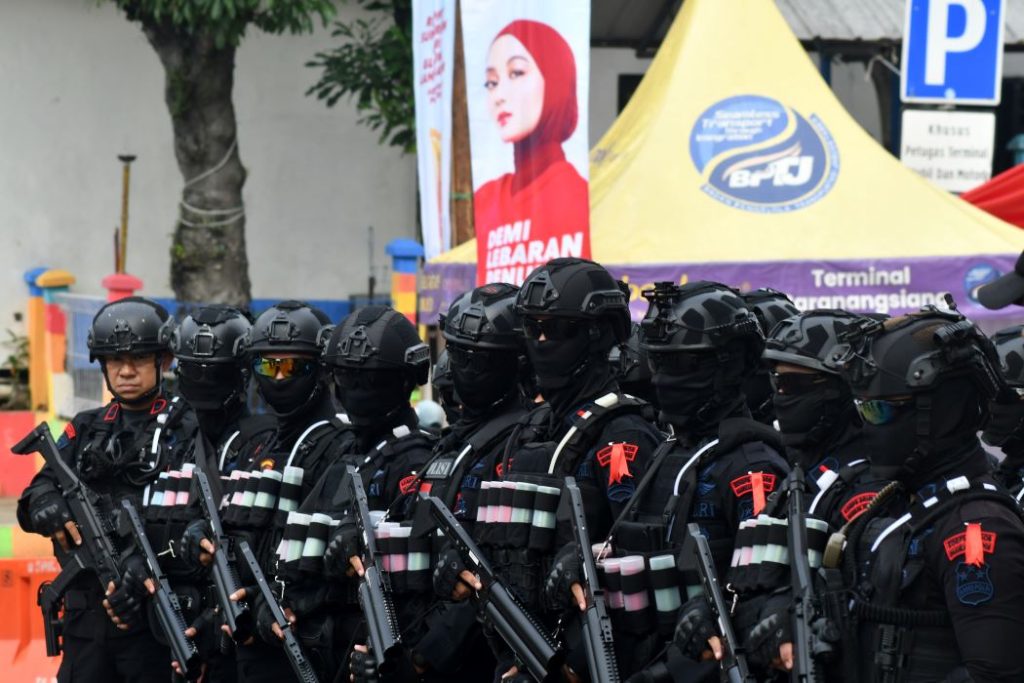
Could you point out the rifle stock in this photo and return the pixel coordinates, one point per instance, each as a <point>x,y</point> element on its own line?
<point>734,660</point>
<point>225,578</point>
<point>806,644</point>
<point>597,625</point>
<point>296,657</point>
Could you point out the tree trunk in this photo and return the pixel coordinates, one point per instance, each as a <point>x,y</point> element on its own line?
<point>208,259</point>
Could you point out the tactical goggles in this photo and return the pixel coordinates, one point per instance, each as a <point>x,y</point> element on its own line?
<point>681,362</point>
<point>795,383</point>
<point>553,329</point>
<point>477,360</point>
<point>209,373</point>
<point>286,367</point>
<point>880,411</point>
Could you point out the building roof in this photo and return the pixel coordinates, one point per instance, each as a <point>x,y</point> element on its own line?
<point>841,24</point>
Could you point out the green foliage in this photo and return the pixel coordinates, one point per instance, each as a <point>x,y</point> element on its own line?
<point>373,68</point>
<point>15,373</point>
<point>226,20</point>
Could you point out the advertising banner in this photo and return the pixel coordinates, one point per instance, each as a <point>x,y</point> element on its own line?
<point>433,48</point>
<point>527,75</point>
<point>892,286</point>
<point>953,149</point>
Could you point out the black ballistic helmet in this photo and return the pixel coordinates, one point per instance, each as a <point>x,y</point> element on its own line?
<point>770,306</point>
<point>576,288</point>
<point>134,325</point>
<point>379,338</point>
<point>287,327</point>
<point>698,316</point>
<point>807,339</point>
<point>212,334</point>
<point>1009,344</point>
<point>485,318</point>
<point>915,353</point>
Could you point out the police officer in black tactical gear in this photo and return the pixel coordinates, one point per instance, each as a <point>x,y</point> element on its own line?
<point>213,377</point>
<point>488,364</point>
<point>717,470</point>
<point>376,359</point>
<point>771,307</point>
<point>282,349</point>
<point>119,451</point>
<point>932,578</point>
<point>1005,426</point>
<point>573,312</point>
<point>821,431</point>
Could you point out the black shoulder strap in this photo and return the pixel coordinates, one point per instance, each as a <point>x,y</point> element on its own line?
<point>494,430</point>
<point>733,432</point>
<point>586,427</point>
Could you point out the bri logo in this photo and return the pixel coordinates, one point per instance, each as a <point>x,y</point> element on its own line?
<point>758,155</point>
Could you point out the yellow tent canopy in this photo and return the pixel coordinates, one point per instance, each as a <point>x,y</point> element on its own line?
<point>734,161</point>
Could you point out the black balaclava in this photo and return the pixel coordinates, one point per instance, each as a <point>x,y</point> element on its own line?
<point>572,371</point>
<point>898,452</point>
<point>814,421</point>
<point>481,391</point>
<point>695,403</point>
<point>373,399</point>
<point>758,390</point>
<point>291,396</point>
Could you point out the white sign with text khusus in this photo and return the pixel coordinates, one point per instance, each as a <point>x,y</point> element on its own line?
<point>953,149</point>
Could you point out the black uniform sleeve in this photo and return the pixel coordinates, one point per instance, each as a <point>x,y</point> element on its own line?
<point>749,480</point>
<point>621,456</point>
<point>983,593</point>
<point>45,480</point>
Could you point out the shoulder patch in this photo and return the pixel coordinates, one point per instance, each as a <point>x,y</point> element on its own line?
<point>973,584</point>
<point>757,484</point>
<point>973,543</point>
<point>855,506</point>
<point>616,457</point>
<point>408,484</point>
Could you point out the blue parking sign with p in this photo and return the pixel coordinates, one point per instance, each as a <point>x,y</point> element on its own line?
<point>953,51</point>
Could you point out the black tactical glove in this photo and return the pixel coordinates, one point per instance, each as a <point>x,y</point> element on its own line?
<point>446,573</point>
<point>565,571</point>
<point>128,598</point>
<point>769,633</point>
<point>264,621</point>
<point>48,513</point>
<point>189,548</point>
<point>344,543</point>
<point>695,626</point>
<point>364,668</point>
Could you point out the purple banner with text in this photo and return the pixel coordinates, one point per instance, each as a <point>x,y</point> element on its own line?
<point>890,286</point>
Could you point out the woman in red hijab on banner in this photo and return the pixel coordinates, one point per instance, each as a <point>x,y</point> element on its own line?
<point>541,211</point>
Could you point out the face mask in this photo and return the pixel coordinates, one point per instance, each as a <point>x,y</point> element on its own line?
<point>287,396</point>
<point>892,447</point>
<point>371,397</point>
<point>482,387</point>
<point>557,363</point>
<point>210,395</point>
<point>1006,422</point>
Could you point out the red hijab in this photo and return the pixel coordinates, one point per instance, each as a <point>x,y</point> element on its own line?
<point>557,65</point>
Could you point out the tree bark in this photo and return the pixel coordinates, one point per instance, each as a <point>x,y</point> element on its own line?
<point>208,257</point>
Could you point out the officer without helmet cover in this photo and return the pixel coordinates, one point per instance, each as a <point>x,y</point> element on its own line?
<point>923,382</point>
<point>207,344</point>
<point>135,326</point>
<point>287,329</point>
<point>703,342</point>
<point>485,346</point>
<point>377,359</point>
<point>580,310</point>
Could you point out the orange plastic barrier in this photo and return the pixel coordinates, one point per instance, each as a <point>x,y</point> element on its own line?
<point>22,648</point>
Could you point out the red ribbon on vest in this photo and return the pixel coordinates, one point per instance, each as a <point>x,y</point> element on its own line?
<point>972,544</point>
<point>757,484</point>
<point>616,457</point>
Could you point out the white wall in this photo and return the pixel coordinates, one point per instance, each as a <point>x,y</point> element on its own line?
<point>80,85</point>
